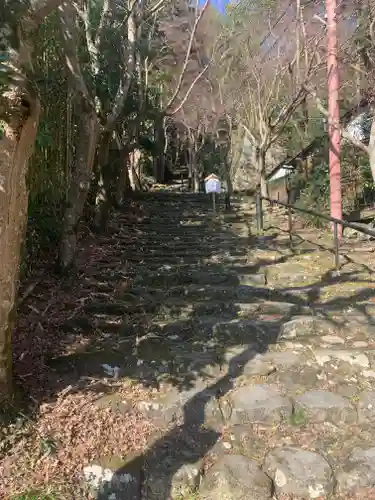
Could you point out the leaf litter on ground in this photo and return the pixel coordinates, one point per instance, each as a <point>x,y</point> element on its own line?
<point>64,429</point>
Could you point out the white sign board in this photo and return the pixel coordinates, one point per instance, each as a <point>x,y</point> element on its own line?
<point>212,184</point>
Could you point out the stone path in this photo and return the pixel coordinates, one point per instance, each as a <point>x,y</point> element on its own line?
<point>262,361</point>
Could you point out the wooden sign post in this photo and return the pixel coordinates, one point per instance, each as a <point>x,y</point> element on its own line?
<point>213,185</point>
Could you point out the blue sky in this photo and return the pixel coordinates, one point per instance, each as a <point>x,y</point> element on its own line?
<point>219,4</point>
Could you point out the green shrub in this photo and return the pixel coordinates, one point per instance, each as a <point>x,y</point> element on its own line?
<point>314,194</point>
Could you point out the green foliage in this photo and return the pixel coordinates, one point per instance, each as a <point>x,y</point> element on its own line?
<point>299,418</point>
<point>4,70</point>
<point>48,174</point>
<point>2,129</point>
<point>211,160</point>
<point>36,495</point>
<point>314,193</point>
<point>147,144</point>
<point>44,225</point>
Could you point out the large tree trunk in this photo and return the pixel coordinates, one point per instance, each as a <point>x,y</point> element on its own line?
<point>19,115</point>
<point>194,170</point>
<point>371,149</point>
<point>103,196</point>
<point>79,186</point>
<point>123,184</point>
<point>229,183</point>
<point>133,163</point>
<point>261,169</point>
<point>16,147</point>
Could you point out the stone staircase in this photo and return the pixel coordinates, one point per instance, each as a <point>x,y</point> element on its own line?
<point>261,360</point>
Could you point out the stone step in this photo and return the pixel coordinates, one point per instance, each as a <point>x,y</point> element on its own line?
<point>365,315</point>
<point>175,247</point>
<point>195,238</point>
<point>261,326</point>
<point>202,277</point>
<point>185,264</point>
<point>166,228</point>
<point>189,264</point>
<point>196,252</point>
<point>181,218</point>
<point>244,331</point>
<point>181,307</point>
<point>172,212</point>
<point>167,255</point>
<point>182,230</point>
<point>215,292</point>
<point>261,332</point>
<point>170,265</point>
<point>231,240</point>
<point>185,199</point>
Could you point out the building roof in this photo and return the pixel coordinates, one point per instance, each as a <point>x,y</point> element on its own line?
<point>280,172</point>
<point>211,176</point>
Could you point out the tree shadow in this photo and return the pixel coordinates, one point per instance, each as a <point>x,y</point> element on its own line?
<point>185,444</point>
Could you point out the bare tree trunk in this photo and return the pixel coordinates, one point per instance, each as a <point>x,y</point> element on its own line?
<point>123,184</point>
<point>160,143</point>
<point>196,181</point>
<point>371,150</point>
<point>228,180</point>
<point>194,168</point>
<point>16,147</point>
<point>261,168</point>
<point>79,186</point>
<point>103,196</point>
<point>135,181</point>
<point>190,175</point>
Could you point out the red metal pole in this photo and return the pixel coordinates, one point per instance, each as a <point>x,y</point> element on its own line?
<point>333,113</point>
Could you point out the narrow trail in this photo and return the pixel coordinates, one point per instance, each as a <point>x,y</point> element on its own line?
<point>246,369</point>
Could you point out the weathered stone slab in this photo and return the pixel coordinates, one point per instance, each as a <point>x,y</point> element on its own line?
<point>198,405</point>
<point>284,359</point>
<point>354,358</point>
<point>245,441</point>
<point>358,472</point>
<point>366,407</point>
<point>174,463</point>
<point>333,339</point>
<point>304,326</point>
<point>114,478</point>
<point>235,477</point>
<point>254,363</point>
<point>259,404</point>
<point>323,406</point>
<point>300,473</point>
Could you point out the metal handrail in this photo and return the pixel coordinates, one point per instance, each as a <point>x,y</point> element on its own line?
<point>293,208</point>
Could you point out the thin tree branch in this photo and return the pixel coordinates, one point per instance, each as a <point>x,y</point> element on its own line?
<point>103,18</point>
<point>156,8</point>
<point>42,8</point>
<point>67,27</point>
<point>188,92</point>
<point>92,48</point>
<point>346,135</point>
<point>252,137</point>
<point>123,88</point>
<point>187,57</point>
